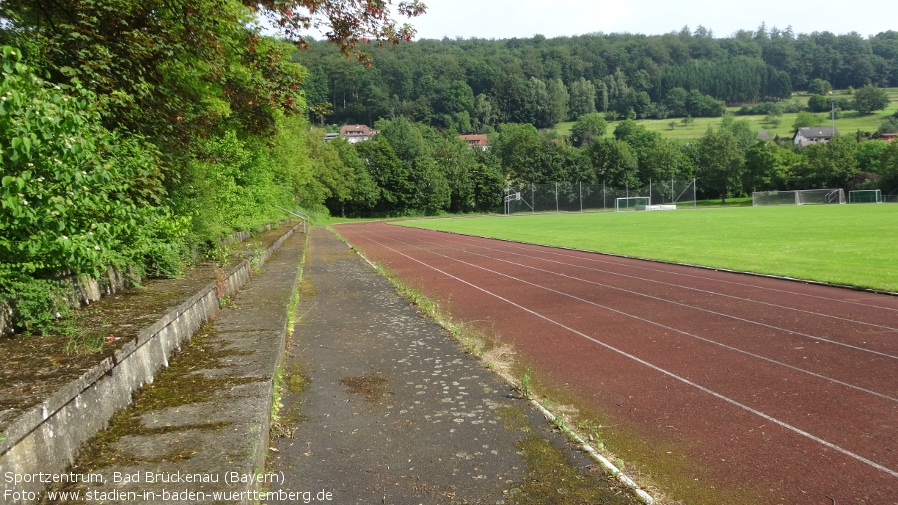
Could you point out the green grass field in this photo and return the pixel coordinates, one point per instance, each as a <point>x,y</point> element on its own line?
<point>855,245</point>
<point>848,123</point>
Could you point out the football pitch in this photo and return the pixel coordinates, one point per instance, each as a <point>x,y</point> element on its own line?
<point>854,245</point>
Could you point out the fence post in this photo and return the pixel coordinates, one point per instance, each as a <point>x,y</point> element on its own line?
<point>533,198</point>
<point>556,198</point>
<point>581,195</point>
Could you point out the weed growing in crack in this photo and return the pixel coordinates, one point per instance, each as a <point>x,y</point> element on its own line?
<point>526,387</point>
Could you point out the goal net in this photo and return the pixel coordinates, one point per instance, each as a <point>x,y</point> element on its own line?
<point>798,197</point>
<point>865,196</point>
<point>631,203</point>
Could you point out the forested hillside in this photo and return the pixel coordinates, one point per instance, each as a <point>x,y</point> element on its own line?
<point>475,85</point>
<point>136,134</point>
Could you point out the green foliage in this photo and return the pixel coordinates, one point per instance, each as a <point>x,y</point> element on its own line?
<point>870,98</point>
<point>720,162</point>
<point>807,119</point>
<point>588,128</point>
<point>869,155</point>
<point>36,303</point>
<point>615,162</point>
<point>830,164</point>
<point>648,75</point>
<point>820,87</point>
<point>769,167</point>
<point>819,103</point>
<point>75,196</point>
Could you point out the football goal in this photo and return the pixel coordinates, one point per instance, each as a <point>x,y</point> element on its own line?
<point>631,203</point>
<point>865,196</point>
<point>798,197</point>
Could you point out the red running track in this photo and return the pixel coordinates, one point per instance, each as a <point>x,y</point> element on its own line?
<point>775,391</point>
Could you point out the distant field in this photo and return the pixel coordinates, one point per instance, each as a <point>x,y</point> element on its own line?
<point>854,245</point>
<point>848,122</point>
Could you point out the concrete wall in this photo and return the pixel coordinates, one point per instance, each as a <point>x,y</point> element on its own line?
<point>47,437</point>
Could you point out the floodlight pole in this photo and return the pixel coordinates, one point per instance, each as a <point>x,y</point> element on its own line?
<point>832,113</point>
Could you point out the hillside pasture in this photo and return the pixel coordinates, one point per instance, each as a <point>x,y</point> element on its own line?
<point>848,122</point>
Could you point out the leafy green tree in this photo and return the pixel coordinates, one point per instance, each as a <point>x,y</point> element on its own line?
<point>74,195</point>
<point>675,101</point>
<point>769,167</point>
<point>364,192</point>
<point>588,127</point>
<point>889,169</point>
<point>484,114</point>
<point>870,98</point>
<point>582,98</point>
<point>820,87</point>
<point>457,160</point>
<point>557,104</point>
<point>390,175</point>
<point>431,193</point>
<point>806,118</point>
<point>830,164</point>
<point>720,163</point>
<point>614,162</point>
<point>665,160</point>
<point>819,103</point>
<point>518,147</point>
<point>488,182</point>
<point>869,155</point>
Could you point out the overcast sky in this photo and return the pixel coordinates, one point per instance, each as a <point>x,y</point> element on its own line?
<point>503,19</point>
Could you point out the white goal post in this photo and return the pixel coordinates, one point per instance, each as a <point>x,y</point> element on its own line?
<point>798,197</point>
<point>865,196</point>
<point>631,203</point>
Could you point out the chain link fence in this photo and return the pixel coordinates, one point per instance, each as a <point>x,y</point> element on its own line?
<point>582,197</point>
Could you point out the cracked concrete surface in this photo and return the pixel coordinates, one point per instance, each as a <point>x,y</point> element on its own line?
<point>394,411</point>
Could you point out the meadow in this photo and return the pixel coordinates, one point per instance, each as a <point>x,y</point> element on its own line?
<point>848,122</point>
<point>853,245</point>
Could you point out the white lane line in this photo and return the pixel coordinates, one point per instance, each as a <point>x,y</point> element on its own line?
<point>685,287</point>
<point>680,274</point>
<point>672,375</point>
<point>664,326</point>
<point>681,304</point>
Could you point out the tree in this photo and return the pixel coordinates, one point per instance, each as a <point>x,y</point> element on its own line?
<point>720,163</point>
<point>870,98</point>
<point>769,167</point>
<point>347,23</point>
<point>364,192</point>
<point>488,182</point>
<point>430,191</point>
<point>830,164</point>
<point>588,127</point>
<point>557,104</point>
<point>869,155</point>
<point>582,98</point>
<point>665,160</point>
<point>806,118</point>
<point>889,168</point>
<point>820,87</point>
<point>518,148</point>
<point>614,162</point>
<point>819,103</point>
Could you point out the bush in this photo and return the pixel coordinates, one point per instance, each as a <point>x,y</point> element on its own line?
<point>75,196</point>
